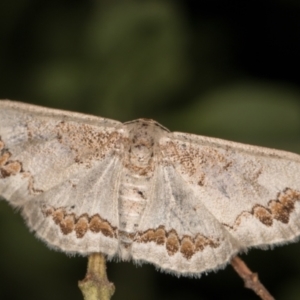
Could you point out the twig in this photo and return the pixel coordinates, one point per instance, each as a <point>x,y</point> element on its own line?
<point>251,279</point>
<point>95,285</point>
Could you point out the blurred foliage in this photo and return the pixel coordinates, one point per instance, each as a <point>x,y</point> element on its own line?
<point>222,68</point>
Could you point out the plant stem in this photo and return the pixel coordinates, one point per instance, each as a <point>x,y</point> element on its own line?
<point>95,285</point>
<point>251,279</point>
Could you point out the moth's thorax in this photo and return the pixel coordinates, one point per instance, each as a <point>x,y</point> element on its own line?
<point>141,149</point>
<point>137,177</point>
<point>142,143</point>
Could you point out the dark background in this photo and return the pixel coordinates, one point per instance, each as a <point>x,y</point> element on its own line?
<point>228,69</point>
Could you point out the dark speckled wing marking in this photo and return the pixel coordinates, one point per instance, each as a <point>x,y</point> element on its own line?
<point>62,169</point>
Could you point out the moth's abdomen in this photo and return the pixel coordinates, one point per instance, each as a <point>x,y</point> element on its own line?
<point>133,198</point>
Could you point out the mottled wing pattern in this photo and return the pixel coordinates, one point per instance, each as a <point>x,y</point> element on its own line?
<point>61,169</point>
<point>253,192</point>
<point>177,232</point>
<point>217,198</point>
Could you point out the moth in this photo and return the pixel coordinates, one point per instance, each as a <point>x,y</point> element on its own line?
<point>136,191</point>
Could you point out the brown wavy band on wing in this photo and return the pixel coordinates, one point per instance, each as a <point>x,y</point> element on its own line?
<point>69,222</point>
<point>186,245</point>
<point>278,209</point>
